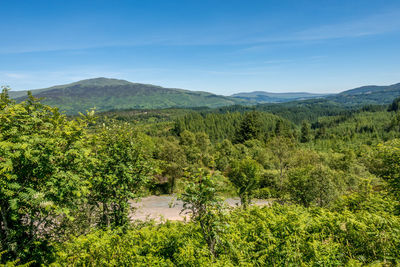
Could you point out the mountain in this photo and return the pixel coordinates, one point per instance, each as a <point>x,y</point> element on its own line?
<point>112,94</point>
<point>267,97</point>
<point>367,95</point>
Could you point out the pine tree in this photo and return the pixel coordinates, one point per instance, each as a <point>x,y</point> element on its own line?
<point>249,127</point>
<point>305,132</point>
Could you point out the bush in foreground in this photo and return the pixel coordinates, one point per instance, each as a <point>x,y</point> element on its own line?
<point>267,236</point>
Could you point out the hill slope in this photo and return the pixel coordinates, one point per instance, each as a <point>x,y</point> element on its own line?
<point>365,95</point>
<point>111,94</point>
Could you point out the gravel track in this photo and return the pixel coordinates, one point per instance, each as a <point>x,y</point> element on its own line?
<point>167,207</point>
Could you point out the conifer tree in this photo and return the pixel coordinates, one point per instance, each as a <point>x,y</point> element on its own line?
<point>305,132</point>
<point>250,127</point>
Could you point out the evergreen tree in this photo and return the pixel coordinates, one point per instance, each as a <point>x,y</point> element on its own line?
<point>305,132</point>
<point>394,106</point>
<point>250,127</point>
<point>278,128</point>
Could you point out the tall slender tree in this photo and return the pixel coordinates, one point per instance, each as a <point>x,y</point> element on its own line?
<point>245,176</point>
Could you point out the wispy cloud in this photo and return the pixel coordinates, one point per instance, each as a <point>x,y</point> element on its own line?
<point>15,75</point>
<point>371,25</point>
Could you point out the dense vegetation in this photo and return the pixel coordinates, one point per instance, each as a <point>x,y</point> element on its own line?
<point>332,181</point>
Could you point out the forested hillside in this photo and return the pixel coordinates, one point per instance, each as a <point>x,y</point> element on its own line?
<point>368,95</point>
<point>365,95</point>
<point>112,94</point>
<point>106,95</point>
<point>329,174</point>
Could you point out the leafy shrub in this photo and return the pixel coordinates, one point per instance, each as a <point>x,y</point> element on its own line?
<point>263,193</point>
<point>259,236</point>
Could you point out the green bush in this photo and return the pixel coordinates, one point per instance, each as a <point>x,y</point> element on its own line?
<point>263,193</point>
<point>259,236</point>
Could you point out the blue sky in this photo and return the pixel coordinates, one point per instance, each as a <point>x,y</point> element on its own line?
<point>221,46</point>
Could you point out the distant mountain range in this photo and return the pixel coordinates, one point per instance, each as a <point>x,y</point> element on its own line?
<point>371,94</point>
<point>267,97</point>
<point>112,94</point>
